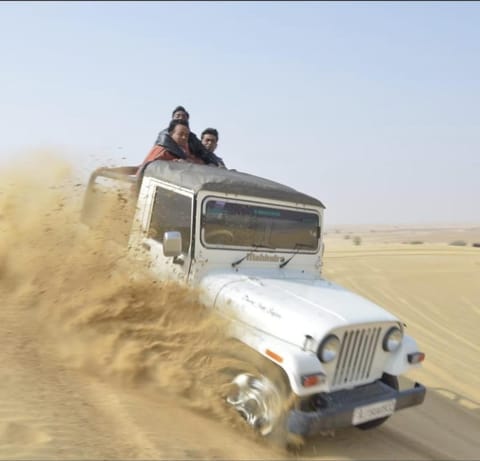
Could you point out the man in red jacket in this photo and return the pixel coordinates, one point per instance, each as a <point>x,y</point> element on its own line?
<point>174,146</point>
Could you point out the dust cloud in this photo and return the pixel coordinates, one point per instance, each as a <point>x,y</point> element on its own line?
<point>101,311</point>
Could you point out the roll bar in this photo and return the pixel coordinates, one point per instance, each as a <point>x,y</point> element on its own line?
<point>125,174</point>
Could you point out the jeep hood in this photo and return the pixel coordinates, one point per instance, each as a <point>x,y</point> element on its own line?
<point>290,308</point>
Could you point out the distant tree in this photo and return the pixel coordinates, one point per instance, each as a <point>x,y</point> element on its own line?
<point>346,237</point>
<point>357,240</point>
<point>458,243</point>
<point>476,244</point>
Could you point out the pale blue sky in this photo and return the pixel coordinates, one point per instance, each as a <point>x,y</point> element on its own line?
<point>373,107</point>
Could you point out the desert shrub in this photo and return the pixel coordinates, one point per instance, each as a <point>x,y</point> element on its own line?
<point>357,240</point>
<point>416,242</point>
<point>346,237</point>
<point>476,244</point>
<point>458,243</point>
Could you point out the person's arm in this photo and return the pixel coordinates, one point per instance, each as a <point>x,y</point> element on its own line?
<point>156,153</point>
<point>221,163</point>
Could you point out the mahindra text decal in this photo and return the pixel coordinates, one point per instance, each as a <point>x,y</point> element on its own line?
<point>265,258</point>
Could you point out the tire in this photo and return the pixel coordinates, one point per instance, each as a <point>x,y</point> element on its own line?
<point>391,381</point>
<point>258,391</point>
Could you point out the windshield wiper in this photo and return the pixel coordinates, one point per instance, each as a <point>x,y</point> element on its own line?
<point>256,246</point>
<point>297,247</point>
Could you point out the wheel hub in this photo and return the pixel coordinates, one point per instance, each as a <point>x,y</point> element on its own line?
<point>257,399</point>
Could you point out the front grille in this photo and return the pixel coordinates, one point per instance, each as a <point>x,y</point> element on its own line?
<point>356,356</point>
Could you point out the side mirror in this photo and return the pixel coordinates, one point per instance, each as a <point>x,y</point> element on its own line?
<point>172,243</point>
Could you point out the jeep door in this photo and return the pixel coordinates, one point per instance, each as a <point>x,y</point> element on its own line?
<point>164,208</point>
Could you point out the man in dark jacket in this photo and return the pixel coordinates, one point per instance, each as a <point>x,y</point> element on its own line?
<point>195,145</point>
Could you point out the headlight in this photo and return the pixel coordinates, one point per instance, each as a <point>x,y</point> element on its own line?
<point>328,349</point>
<point>392,340</point>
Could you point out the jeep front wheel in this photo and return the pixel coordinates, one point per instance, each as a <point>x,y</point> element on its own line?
<point>258,400</point>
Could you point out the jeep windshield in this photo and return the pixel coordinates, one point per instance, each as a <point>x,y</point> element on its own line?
<point>243,224</point>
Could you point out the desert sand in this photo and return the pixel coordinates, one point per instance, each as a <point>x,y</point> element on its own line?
<point>94,363</point>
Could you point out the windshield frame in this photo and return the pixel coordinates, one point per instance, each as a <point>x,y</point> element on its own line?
<point>255,246</point>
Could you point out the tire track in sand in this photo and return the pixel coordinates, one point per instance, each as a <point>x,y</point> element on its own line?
<point>45,411</point>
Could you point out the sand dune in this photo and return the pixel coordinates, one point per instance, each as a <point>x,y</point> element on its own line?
<point>95,363</point>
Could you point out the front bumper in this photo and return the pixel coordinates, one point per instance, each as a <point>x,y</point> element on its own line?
<point>338,407</point>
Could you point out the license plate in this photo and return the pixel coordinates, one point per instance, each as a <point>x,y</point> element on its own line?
<point>373,411</point>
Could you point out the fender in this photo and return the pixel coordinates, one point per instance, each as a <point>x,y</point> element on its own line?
<point>294,361</point>
<point>398,362</point>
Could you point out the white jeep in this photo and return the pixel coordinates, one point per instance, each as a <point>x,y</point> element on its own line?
<point>254,248</point>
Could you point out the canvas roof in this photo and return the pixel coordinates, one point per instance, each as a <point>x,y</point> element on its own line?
<point>208,178</point>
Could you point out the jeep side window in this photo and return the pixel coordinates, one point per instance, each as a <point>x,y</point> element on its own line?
<point>171,212</point>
